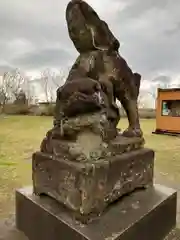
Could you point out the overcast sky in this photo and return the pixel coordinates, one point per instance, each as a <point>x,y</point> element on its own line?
<point>34,34</point>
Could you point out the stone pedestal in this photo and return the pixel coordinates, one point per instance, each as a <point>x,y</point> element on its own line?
<point>144,215</point>
<point>88,188</point>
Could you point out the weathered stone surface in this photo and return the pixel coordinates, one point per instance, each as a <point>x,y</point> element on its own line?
<point>79,97</point>
<point>92,132</point>
<point>87,138</point>
<point>99,60</point>
<point>95,33</point>
<point>84,96</point>
<point>87,188</point>
<point>144,215</point>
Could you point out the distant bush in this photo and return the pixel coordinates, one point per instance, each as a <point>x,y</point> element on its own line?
<point>16,109</point>
<point>22,109</point>
<point>46,109</point>
<point>146,113</point>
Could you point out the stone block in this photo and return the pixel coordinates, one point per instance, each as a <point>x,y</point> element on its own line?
<point>88,188</point>
<point>144,215</point>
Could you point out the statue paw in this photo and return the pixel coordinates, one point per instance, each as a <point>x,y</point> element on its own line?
<point>133,132</point>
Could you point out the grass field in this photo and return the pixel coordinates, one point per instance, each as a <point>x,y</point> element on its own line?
<point>21,135</point>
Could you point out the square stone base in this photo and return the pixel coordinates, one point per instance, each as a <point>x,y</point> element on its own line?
<point>144,215</point>
<point>87,188</point>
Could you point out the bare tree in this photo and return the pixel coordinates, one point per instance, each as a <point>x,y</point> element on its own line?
<point>51,81</point>
<point>140,100</point>
<point>45,77</point>
<point>10,86</point>
<point>59,79</point>
<point>29,90</point>
<point>12,82</point>
<point>3,94</point>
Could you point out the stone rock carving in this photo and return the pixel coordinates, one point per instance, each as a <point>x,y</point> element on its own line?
<point>84,162</point>
<point>99,59</point>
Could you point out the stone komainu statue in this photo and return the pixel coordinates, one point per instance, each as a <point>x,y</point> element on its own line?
<point>100,60</point>
<point>84,162</point>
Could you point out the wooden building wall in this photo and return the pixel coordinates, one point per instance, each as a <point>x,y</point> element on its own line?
<point>167,123</point>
